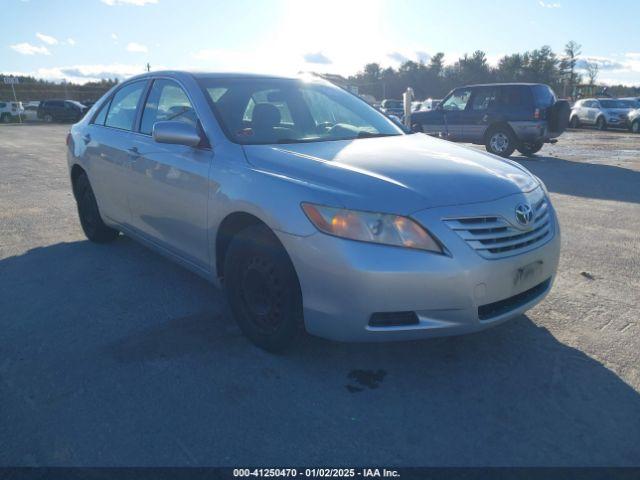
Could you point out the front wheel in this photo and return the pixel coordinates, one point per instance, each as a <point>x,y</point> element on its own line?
<point>635,127</point>
<point>601,123</point>
<point>262,289</point>
<point>90,220</point>
<point>500,141</point>
<point>528,149</point>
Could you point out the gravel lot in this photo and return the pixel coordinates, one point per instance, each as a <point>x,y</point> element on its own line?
<point>112,355</point>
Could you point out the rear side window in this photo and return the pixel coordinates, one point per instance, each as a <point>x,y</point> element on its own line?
<point>543,95</point>
<point>483,98</point>
<point>122,112</point>
<point>2,105</point>
<point>167,101</point>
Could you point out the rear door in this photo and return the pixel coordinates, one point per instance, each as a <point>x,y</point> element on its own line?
<point>480,113</point>
<point>168,192</point>
<point>109,153</point>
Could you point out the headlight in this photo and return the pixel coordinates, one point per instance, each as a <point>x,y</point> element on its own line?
<point>371,227</point>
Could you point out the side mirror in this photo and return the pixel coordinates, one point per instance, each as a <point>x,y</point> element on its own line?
<point>176,133</point>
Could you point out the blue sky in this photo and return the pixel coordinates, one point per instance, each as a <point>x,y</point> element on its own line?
<point>84,40</point>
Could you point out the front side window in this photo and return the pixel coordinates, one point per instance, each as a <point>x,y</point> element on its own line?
<point>167,101</point>
<point>265,111</point>
<point>122,112</point>
<point>458,100</point>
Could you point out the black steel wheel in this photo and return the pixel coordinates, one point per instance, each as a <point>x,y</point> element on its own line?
<point>262,289</point>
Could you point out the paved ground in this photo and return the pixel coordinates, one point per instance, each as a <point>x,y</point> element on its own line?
<point>111,355</point>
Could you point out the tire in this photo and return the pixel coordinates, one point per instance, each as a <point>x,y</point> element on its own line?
<point>635,127</point>
<point>262,289</point>
<point>48,118</point>
<point>601,123</point>
<point>500,141</point>
<point>574,122</point>
<point>417,128</point>
<point>90,220</point>
<point>5,118</point>
<point>528,149</point>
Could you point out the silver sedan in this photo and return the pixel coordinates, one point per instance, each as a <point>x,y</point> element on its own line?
<point>314,210</point>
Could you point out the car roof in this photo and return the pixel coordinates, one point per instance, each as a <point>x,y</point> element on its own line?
<point>204,74</point>
<point>505,84</point>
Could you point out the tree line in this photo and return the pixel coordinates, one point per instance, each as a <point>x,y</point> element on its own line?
<point>435,79</point>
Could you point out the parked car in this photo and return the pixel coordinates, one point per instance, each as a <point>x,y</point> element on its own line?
<point>601,113</point>
<point>392,107</point>
<point>633,120</point>
<point>312,208</point>
<point>430,104</point>
<point>635,100</point>
<point>10,111</point>
<point>31,111</point>
<point>504,117</point>
<point>61,110</point>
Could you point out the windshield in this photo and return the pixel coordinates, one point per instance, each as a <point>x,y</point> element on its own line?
<point>616,104</point>
<point>258,111</point>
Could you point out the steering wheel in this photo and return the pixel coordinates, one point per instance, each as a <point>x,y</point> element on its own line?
<point>324,127</point>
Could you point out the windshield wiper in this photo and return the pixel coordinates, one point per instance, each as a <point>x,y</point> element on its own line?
<point>298,140</point>
<point>366,134</point>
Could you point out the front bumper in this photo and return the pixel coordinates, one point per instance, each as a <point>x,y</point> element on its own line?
<point>344,282</point>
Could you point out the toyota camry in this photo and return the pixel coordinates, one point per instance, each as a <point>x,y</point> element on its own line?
<point>312,209</point>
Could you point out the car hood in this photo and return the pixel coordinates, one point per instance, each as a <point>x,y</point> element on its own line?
<point>399,174</point>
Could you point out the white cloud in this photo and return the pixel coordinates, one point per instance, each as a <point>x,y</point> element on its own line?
<point>28,49</point>
<point>48,39</point>
<point>548,5</point>
<point>316,57</point>
<point>137,47</point>
<point>114,37</point>
<point>71,41</point>
<point>138,3</point>
<point>87,73</point>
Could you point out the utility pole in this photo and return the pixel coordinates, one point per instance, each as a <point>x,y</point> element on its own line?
<point>148,67</point>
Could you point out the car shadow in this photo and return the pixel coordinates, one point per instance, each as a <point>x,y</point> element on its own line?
<point>118,337</point>
<point>582,179</point>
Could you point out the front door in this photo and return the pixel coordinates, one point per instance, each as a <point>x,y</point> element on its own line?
<point>168,189</point>
<point>454,108</point>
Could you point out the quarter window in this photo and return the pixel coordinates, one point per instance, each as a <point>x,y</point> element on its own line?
<point>102,114</point>
<point>122,112</point>
<point>166,101</point>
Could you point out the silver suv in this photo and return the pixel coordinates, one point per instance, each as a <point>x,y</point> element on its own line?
<point>601,113</point>
<point>312,208</point>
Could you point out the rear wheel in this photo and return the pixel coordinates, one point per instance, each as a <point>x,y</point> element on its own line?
<point>48,118</point>
<point>262,288</point>
<point>601,123</point>
<point>90,220</point>
<point>5,118</point>
<point>500,141</point>
<point>574,122</point>
<point>635,127</point>
<point>529,149</point>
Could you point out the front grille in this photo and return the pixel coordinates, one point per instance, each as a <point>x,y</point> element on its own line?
<point>495,309</point>
<point>494,237</point>
<point>393,319</point>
